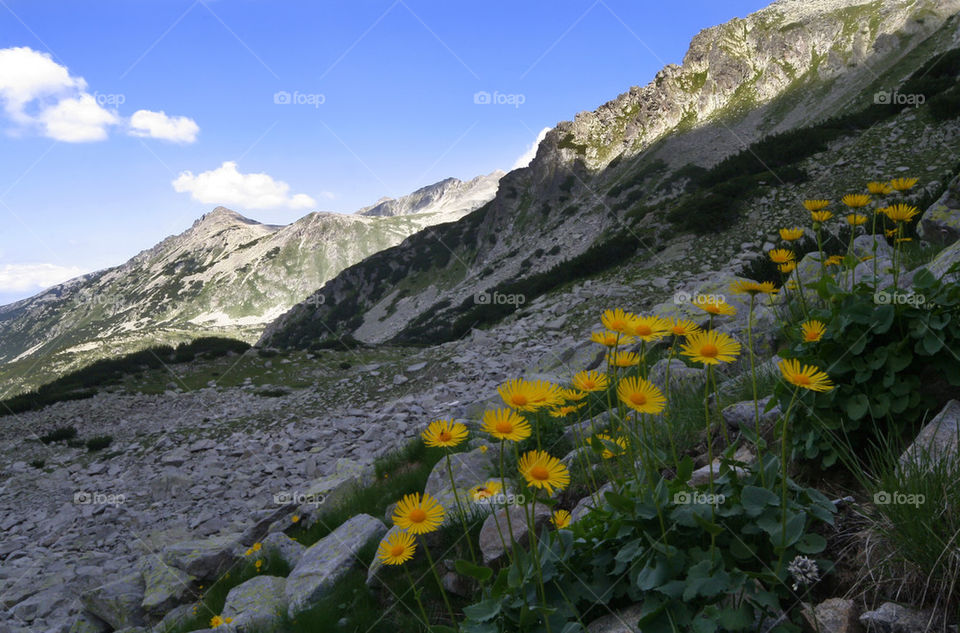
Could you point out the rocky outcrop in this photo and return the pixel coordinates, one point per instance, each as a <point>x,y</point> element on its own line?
<point>940,224</point>
<point>257,604</point>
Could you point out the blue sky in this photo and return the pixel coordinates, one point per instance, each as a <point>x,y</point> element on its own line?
<point>122,121</point>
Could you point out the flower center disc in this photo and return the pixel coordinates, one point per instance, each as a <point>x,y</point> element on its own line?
<point>444,436</point>
<point>519,399</point>
<point>801,379</point>
<point>644,330</point>
<point>397,551</point>
<point>417,515</point>
<point>540,473</point>
<point>709,351</point>
<point>504,427</point>
<point>638,398</point>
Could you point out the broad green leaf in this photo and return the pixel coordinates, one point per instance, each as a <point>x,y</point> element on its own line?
<point>477,572</point>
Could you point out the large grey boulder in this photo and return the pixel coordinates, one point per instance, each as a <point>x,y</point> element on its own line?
<point>285,547</point>
<point>176,616</point>
<point>944,260</point>
<point>938,439</point>
<point>469,469</point>
<point>327,560</point>
<point>590,502</point>
<point>940,223</point>
<point>837,615</point>
<point>744,413</point>
<point>681,376</point>
<point>164,586</point>
<point>204,559</point>
<point>894,618</point>
<point>326,493</point>
<point>257,604</point>
<point>87,623</point>
<point>509,518</point>
<point>117,603</point>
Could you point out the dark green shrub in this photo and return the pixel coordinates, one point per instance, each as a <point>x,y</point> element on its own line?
<point>99,442</point>
<point>60,434</point>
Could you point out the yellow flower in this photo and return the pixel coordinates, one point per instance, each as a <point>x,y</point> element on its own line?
<point>787,268</point>
<point>813,331</point>
<point>617,320</point>
<point>542,470</point>
<point>506,424</point>
<point>856,200</point>
<point>295,518</point>
<point>565,410</point>
<point>901,240</point>
<point>217,620</point>
<point>248,552</point>
<point>418,515</point>
<point>529,395</point>
<point>683,327</point>
<point>791,285</point>
<point>590,381</point>
<point>258,564</point>
<point>648,328</point>
<point>903,184</point>
<point>820,216</point>
<point>753,288</point>
<point>711,348</point>
<point>856,219</point>
<point>560,519</point>
<point>833,260</point>
<point>900,212</point>
<point>444,433</point>
<point>397,548</point>
<point>781,255</point>
<point>623,359</point>
<point>714,305</point>
<point>815,205</point>
<point>790,235</point>
<point>483,448</point>
<point>572,395</point>
<point>257,547</point>
<point>641,395</point>
<point>611,339</point>
<point>808,377</point>
<point>608,452</point>
<point>879,188</point>
<point>890,232</point>
<point>485,491</point>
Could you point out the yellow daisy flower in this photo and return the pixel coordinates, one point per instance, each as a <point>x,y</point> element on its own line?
<point>648,328</point>
<point>903,184</point>
<point>683,327</point>
<point>714,306</point>
<point>218,620</point>
<point>397,548</point>
<point>572,395</point>
<point>641,395</point>
<point>833,260</point>
<point>879,188</point>
<point>856,219</point>
<point>565,410</point>
<point>623,359</point>
<point>807,376</point>
<point>617,320</point>
<point>787,267</point>
<point>505,424</point>
<point>529,395</point>
<point>815,205</point>
<point>711,348</point>
<point>542,470</point>
<point>791,235</point>
<point>444,433</point>
<point>590,381</point>
<point>856,200</point>
<point>609,452</point>
<point>900,212</point>
<point>820,216</point>
<point>753,288</point>
<point>781,255</point>
<point>485,491</point>
<point>560,519</point>
<point>611,339</point>
<point>813,331</point>
<point>418,515</point>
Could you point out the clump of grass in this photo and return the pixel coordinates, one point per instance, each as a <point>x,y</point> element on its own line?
<point>37,463</point>
<point>272,392</point>
<point>99,442</point>
<point>59,434</point>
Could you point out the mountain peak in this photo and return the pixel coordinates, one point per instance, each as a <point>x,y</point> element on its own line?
<point>223,216</point>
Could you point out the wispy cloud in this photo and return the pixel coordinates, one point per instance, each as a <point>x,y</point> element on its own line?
<point>18,278</point>
<point>531,152</point>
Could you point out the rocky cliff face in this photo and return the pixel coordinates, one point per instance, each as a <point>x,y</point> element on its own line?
<point>227,275</point>
<point>786,66</point>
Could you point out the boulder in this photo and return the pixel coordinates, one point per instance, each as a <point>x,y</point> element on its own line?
<point>117,603</point>
<point>681,376</point>
<point>204,559</point>
<point>894,618</point>
<point>837,615</point>
<point>331,490</point>
<point>946,258</point>
<point>701,476</point>
<point>511,517</point>
<point>164,586</point>
<point>744,413</point>
<point>864,245</point>
<point>940,223</point>
<point>938,439</point>
<point>87,623</point>
<point>326,561</point>
<point>469,469</point>
<point>286,548</point>
<point>588,503</point>
<point>621,621</point>
<point>176,616</point>
<point>258,604</point>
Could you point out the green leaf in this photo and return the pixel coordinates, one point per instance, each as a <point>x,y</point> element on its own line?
<point>685,468</point>
<point>484,610</point>
<point>857,406</point>
<point>755,499</point>
<point>619,502</point>
<point>737,619</point>
<point>477,572</point>
<point>811,544</point>
<point>440,628</point>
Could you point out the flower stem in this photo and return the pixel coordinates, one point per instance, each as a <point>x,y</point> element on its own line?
<point>463,515</point>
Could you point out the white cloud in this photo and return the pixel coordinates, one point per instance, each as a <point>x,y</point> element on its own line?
<point>38,94</point>
<point>34,277</point>
<point>531,152</point>
<point>77,120</point>
<point>227,186</point>
<point>178,129</point>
